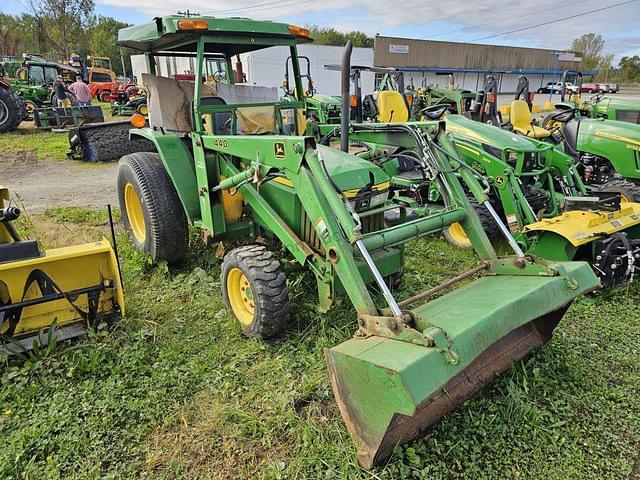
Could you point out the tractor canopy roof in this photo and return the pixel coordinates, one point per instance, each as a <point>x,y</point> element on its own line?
<point>228,36</point>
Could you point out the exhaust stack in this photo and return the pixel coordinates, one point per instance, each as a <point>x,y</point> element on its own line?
<point>346,98</point>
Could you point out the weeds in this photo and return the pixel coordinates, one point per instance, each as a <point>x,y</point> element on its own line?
<point>174,391</point>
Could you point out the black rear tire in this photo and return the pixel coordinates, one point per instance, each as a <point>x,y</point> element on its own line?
<point>164,233</point>
<point>627,188</point>
<point>12,110</point>
<point>265,311</point>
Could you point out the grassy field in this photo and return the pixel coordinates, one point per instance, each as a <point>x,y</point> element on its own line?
<point>175,391</point>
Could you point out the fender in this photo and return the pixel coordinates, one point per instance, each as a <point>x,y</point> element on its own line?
<point>179,164</point>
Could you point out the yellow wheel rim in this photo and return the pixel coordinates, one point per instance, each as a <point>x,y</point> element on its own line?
<point>240,296</point>
<point>458,235</point>
<point>30,106</point>
<point>143,110</point>
<point>135,214</point>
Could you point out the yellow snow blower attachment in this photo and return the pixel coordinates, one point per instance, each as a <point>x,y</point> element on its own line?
<point>77,287</point>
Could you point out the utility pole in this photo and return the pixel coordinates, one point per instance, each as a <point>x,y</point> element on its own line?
<point>124,69</point>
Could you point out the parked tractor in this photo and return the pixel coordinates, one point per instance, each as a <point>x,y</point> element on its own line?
<point>34,81</point>
<point>319,108</point>
<point>599,105</point>
<point>234,161</point>
<point>605,151</point>
<point>536,189</point>
<point>12,108</point>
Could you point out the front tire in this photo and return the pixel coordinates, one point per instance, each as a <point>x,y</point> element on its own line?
<point>629,190</point>
<point>152,212</point>
<point>255,289</point>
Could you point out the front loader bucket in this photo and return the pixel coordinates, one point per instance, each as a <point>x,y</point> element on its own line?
<point>77,286</point>
<point>389,391</point>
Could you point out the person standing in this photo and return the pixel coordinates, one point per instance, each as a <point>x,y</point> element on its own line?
<point>60,91</point>
<point>81,91</point>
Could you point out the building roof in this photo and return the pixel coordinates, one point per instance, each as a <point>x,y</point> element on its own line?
<point>406,52</point>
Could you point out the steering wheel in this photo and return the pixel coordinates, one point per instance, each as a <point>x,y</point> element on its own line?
<point>434,112</point>
<point>564,116</point>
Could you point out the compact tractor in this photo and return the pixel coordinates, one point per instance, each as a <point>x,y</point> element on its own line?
<point>52,294</point>
<point>319,108</point>
<point>599,105</point>
<point>535,188</point>
<point>234,161</point>
<point>605,151</point>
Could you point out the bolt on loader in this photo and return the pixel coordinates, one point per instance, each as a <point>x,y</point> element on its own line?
<point>73,288</point>
<point>234,161</point>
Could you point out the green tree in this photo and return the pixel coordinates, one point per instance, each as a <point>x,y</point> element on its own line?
<point>103,42</point>
<point>630,68</point>
<point>63,24</point>
<point>591,46</point>
<point>331,36</point>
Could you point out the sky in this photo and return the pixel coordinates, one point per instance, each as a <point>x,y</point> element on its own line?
<point>450,20</point>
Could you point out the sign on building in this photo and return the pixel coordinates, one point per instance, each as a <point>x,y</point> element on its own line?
<point>398,48</point>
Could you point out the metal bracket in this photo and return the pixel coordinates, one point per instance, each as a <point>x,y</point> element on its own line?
<point>399,328</point>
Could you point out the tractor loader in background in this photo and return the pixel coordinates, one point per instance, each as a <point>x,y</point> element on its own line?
<point>234,160</point>
<point>77,287</point>
<point>533,187</point>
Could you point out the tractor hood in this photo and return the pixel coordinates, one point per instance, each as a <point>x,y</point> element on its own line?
<point>327,100</point>
<point>350,173</point>
<point>606,132</point>
<point>500,138</point>
<point>607,103</point>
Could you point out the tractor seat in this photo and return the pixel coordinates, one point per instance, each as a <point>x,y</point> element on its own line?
<point>391,107</point>
<point>520,119</point>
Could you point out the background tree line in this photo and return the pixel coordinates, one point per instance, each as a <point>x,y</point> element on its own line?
<point>56,29</point>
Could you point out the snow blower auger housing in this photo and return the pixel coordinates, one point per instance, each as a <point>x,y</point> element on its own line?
<point>77,287</point>
<point>233,160</point>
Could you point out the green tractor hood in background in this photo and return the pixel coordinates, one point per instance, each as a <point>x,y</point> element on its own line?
<point>350,173</point>
<point>488,134</point>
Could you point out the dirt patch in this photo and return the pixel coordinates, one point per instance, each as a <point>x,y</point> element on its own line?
<point>41,184</point>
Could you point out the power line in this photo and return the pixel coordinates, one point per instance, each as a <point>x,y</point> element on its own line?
<point>251,7</point>
<point>475,27</point>
<point>555,21</point>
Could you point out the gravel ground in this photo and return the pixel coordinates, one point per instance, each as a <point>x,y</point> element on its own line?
<point>40,184</point>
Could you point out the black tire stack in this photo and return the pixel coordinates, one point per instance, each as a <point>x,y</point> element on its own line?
<point>106,142</point>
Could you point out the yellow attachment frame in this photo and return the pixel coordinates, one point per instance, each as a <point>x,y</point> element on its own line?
<point>67,278</point>
<point>582,227</point>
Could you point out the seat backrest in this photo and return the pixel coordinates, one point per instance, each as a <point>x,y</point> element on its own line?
<point>392,107</point>
<point>520,116</point>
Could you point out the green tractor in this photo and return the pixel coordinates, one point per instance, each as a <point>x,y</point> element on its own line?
<point>247,171</point>
<point>34,80</point>
<point>533,187</point>
<point>320,108</point>
<point>605,151</point>
<point>599,105</point>
<point>539,193</point>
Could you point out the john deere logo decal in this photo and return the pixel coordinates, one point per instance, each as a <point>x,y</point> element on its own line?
<point>278,147</point>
